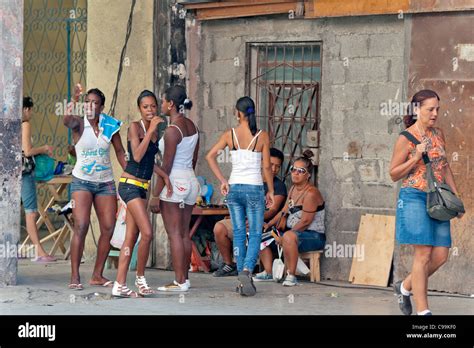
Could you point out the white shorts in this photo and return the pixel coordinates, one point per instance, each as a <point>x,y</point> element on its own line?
<point>185,187</point>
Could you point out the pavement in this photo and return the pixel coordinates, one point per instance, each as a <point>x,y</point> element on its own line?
<point>42,290</point>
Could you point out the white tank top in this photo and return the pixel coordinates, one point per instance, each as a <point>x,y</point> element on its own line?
<point>93,156</point>
<point>183,158</point>
<point>246,164</point>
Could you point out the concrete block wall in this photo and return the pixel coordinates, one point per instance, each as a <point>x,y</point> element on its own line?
<point>362,67</point>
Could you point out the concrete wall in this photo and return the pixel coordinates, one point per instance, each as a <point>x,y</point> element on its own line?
<point>11,86</point>
<point>362,66</point>
<point>107,25</point>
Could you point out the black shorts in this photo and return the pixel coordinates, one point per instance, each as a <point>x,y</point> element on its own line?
<point>128,192</point>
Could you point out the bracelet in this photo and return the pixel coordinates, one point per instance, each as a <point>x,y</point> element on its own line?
<point>153,197</point>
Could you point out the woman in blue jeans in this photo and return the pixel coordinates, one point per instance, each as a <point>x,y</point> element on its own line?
<point>244,189</point>
<point>304,212</point>
<point>28,184</point>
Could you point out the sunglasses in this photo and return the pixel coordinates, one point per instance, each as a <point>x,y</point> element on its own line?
<point>298,170</point>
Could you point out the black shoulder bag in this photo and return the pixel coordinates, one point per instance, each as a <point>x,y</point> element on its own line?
<point>441,202</point>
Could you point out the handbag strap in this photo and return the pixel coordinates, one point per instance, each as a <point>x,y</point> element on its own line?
<point>430,178</point>
<point>280,251</point>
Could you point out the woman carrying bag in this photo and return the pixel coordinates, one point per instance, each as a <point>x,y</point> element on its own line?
<point>431,238</point>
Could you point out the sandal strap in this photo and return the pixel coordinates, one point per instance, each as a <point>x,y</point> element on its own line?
<point>141,283</point>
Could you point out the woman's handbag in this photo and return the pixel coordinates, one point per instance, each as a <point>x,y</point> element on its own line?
<point>278,267</point>
<point>441,202</point>
<point>27,164</point>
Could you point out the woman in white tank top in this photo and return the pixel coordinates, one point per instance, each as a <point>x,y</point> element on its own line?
<point>93,181</point>
<point>244,190</point>
<point>179,147</point>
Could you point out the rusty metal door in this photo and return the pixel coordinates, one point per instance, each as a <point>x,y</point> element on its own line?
<point>442,59</point>
<point>284,80</point>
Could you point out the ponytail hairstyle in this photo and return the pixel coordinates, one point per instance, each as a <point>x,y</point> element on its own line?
<point>247,107</point>
<point>178,95</point>
<point>27,102</point>
<point>306,158</point>
<point>417,101</point>
<point>146,93</point>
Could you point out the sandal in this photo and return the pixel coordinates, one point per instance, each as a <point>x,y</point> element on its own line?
<point>74,286</point>
<point>143,288</point>
<point>121,290</point>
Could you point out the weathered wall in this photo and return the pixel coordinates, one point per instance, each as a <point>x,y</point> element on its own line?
<point>107,25</point>
<point>448,68</point>
<point>362,67</point>
<point>11,86</point>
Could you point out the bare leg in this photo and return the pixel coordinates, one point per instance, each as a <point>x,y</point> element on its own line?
<point>106,209</point>
<point>419,278</point>
<point>81,214</point>
<point>290,250</point>
<point>33,233</point>
<point>131,237</point>
<point>224,244</point>
<point>439,256</point>
<point>172,219</point>
<point>187,244</point>
<point>266,257</point>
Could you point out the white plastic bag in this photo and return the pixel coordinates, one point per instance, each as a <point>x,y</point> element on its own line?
<point>301,267</point>
<point>120,228</point>
<point>278,268</point>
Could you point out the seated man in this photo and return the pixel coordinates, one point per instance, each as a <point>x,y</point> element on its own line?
<point>223,229</point>
<point>304,213</point>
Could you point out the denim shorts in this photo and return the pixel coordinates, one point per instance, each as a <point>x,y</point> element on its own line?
<point>96,188</point>
<point>310,240</point>
<point>129,191</point>
<point>414,225</point>
<point>185,187</point>
<point>28,193</point>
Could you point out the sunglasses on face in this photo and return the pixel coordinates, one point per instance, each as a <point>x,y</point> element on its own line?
<point>298,170</point>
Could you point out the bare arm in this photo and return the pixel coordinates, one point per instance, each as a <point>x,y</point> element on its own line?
<point>399,166</point>
<point>119,150</point>
<point>221,144</point>
<point>267,166</point>
<point>273,210</point>
<point>26,145</point>
<point>196,152</point>
<point>70,120</point>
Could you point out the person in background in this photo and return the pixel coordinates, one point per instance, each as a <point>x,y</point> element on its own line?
<point>430,238</point>
<point>304,212</point>
<point>223,232</point>
<point>28,184</point>
<point>244,190</point>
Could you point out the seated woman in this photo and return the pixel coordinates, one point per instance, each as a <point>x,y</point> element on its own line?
<point>304,213</point>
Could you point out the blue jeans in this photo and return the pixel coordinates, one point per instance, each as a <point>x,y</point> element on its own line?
<point>246,202</point>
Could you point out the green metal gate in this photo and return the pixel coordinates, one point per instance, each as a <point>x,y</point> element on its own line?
<point>55,34</point>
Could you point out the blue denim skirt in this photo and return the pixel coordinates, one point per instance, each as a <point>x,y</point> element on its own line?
<point>414,225</point>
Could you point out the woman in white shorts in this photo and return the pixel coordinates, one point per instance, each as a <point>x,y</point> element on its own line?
<point>179,147</point>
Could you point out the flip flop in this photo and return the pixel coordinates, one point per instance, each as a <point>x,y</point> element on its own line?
<point>44,259</point>
<point>107,284</point>
<point>75,286</point>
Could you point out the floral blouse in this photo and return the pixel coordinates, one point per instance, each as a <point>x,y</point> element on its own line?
<point>436,152</point>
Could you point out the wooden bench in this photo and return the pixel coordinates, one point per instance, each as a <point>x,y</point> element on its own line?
<point>313,258</point>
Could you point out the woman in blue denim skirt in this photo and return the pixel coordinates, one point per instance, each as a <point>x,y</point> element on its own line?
<point>244,190</point>
<point>28,184</point>
<point>430,238</point>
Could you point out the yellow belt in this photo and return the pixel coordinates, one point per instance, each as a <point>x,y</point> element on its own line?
<point>135,182</point>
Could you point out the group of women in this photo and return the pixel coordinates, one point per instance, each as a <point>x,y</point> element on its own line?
<point>177,188</point>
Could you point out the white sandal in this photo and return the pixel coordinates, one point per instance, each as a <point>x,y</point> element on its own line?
<point>143,288</point>
<point>121,290</point>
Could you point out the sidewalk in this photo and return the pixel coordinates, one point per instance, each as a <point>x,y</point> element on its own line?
<point>42,289</point>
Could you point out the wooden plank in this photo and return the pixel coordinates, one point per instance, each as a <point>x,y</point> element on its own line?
<point>337,8</point>
<point>245,11</point>
<point>221,4</point>
<point>376,242</point>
